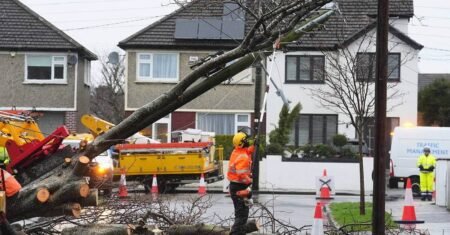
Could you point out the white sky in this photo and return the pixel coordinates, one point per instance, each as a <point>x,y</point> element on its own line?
<point>100,24</point>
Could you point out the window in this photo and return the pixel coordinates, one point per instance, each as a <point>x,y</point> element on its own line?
<point>160,130</point>
<point>46,68</point>
<point>314,129</point>
<point>366,66</point>
<point>369,133</point>
<point>87,72</point>
<point>160,67</point>
<point>222,124</point>
<point>305,69</point>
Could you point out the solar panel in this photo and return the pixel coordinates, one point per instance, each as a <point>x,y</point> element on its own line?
<point>232,29</point>
<point>186,28</point>
<point>209,28</point>
<point>232,11</point>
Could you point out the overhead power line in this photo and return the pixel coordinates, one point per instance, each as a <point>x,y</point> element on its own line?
<point>110,24</point>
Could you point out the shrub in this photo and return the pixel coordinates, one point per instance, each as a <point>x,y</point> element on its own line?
<point>226,141</point>
<point>339,140</point>
<point>279,137</point>
<point>324,151</point>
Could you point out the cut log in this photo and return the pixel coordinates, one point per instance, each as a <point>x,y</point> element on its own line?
<point>203,229</point>
<point>81,168</point>
<point>70,192</point>
<point>91,199</point>
<point>97,229</point>
<point>42,195</point>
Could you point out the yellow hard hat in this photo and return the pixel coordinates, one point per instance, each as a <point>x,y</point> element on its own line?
<point>239,139</point>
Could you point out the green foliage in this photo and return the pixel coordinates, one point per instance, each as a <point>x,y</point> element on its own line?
<point>318,151</point>
<point>348,213</point>
<point>339,140</point>
<point>348,153</point>
<point>279,137</point>
<point>226,141</point>
<point>434,103</point>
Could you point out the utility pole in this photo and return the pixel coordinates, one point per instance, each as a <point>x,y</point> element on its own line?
<point>379,189</point>
<point>256,124</point>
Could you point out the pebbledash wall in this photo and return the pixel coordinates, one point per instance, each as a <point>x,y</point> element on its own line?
<point>277,175</point>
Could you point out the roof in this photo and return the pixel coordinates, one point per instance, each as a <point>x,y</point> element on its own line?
<point>358,16</point>
<point>22,29</point>
<point>426,79</point>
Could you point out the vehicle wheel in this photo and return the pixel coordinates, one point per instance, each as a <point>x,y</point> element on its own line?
<point>415,185</point>
<point>393,183</point>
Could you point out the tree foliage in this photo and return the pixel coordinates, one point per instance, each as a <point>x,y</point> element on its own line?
<point>279,137</point>
<point>434,103</point>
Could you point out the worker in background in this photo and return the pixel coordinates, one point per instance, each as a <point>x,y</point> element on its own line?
<point>239,175</point>
<point>426,164</point>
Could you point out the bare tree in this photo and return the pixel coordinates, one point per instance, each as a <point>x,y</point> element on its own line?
<point>64,185</point>
<point>349,85</point>
<point>107,99</point>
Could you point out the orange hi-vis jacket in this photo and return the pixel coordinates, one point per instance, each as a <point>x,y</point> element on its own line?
<point>11,184</point>
<point>240,167</point>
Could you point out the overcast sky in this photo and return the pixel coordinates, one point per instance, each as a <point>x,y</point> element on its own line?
<point>100,24</point>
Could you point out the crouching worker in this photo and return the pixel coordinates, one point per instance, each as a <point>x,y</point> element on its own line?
<point>239,175</point>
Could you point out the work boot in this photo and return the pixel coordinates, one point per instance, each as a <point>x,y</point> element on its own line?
<point>429,197</point>
<point>423,198</point>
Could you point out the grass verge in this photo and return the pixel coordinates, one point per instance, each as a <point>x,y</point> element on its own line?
<point>347,214</point>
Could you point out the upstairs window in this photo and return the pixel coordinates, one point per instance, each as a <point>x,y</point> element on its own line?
<point>46,68</point>
<point>366,66</point>
<point>157,67</point>
<point>305,69</point>
<point>87,72</point>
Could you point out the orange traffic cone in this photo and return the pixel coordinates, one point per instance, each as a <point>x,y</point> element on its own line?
<point>317,228</point>
<point>123,192</point>
<point>325,188</point>
<point>202,186</point>
<point>409,212</point>
<point>154,185</point>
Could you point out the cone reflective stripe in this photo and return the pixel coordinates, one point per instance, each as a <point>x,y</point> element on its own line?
<point>154,185</point>
<point>202,185</point>
<point>123,192</point>
<point>409,212</point>
<point>317,228</point>
<point>325,188</point>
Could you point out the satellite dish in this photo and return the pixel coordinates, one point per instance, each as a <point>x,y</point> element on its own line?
<point>72,60</point>
<point>113,58</point>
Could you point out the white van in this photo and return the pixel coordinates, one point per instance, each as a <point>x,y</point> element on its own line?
<point>407,146</point>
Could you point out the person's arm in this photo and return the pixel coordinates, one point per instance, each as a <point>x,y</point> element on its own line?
<point>419,163</point>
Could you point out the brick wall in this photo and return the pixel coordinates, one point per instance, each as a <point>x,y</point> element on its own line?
<point>183,120</point>
<point>70,120</point>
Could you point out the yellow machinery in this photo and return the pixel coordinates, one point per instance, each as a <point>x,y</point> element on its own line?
<point>173,163</point>
<point>19,129</point>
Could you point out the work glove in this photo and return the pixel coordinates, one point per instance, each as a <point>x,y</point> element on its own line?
<point>431,169</point>
<point>421,168</point>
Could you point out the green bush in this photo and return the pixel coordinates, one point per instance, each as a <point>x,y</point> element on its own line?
<point>348,153</point>
<point>280,135</point>
<point>325,151</point>
<point>339,140</point>
<point>226,141</point>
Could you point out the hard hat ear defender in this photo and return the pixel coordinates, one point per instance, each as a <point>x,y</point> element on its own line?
<point>240,140</point>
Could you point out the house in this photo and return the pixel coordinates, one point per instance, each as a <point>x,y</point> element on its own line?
<point>160,55</point>
<point>42,69</point>
<point>352,31</point>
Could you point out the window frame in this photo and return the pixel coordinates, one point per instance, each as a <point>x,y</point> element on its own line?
<point>310,127</point>
<point>373,54</point>
<point>311,70</point>
<point>150,78</point>
<point>236,122</point>
<point>87,72</point>
<point>52,79</point>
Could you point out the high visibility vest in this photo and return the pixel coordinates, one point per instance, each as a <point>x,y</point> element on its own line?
<point>3,154</point>
<point>239,168</point>
<point>11,184</point>
<point>426,162</point>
